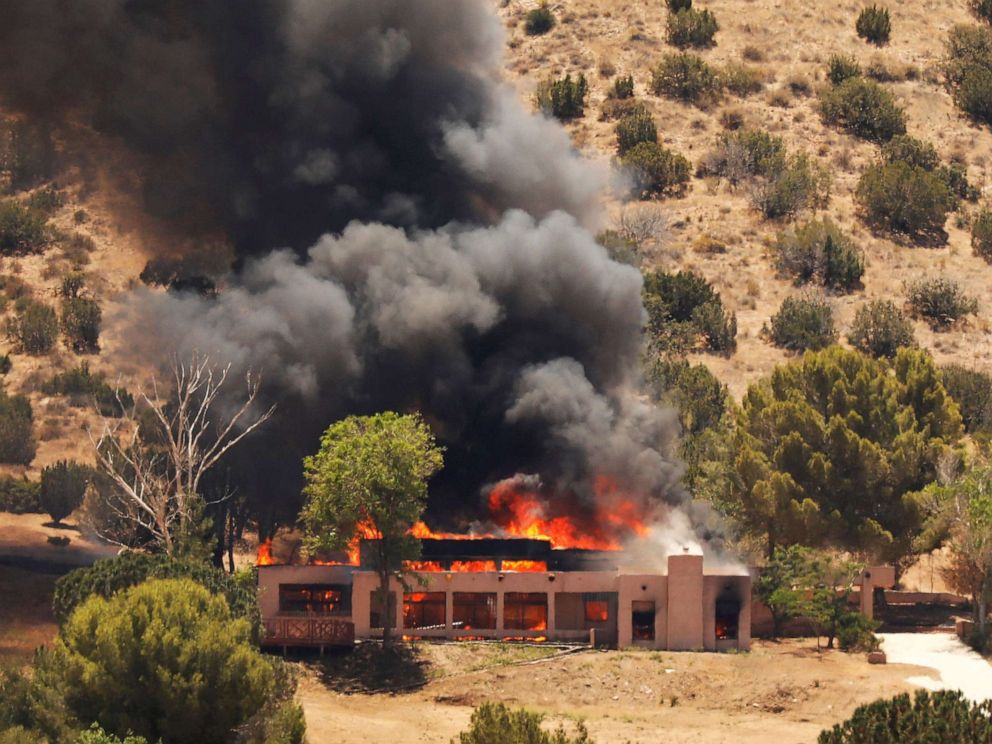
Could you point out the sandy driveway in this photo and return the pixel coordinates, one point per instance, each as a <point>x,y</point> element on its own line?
<point>957,666</point>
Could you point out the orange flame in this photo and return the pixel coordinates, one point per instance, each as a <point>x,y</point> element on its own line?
<point>264,556</point>
<point>525,566</point>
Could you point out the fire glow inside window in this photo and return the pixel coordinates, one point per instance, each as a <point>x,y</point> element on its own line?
<point>423,610</point>
<point>642,618</point>
<point>597,610</point>
<point>474,610</point>
<point>525,611</point>
<point>314,599</point>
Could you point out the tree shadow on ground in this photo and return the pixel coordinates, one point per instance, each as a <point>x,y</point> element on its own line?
<point>60,526</point>
<point>374,668</point>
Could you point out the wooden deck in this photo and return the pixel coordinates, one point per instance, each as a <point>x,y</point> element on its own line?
<point>311,630</point>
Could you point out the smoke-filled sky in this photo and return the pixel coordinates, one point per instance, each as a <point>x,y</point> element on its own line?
<point>412,236</point>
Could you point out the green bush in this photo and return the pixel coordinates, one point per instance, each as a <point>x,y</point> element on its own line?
<point>900,198</point>
<point>940,301</point>
<point>17,442</point>
<point>106,578</point>
<point>744,154</point>
<point>841,68</point>
<point>820,252</point>
<point>164,659</point>
<point>539,21</point>
<point>943,716</point>
<point>35,327</point>
<point>803,324</point>
<point>972,391</point>
<point>494,723</point>
<point>623,88</point>
<point>921,154</point>
<point>46,201</point>
<point>801,184</point>
<point>655,170</point>
<point>698,396</point>
<point>968,69</point>
<point>880,329</point>
<point>863,108</point>
<point>621,248</point>
<point>634,129</point>
<point>692,28</point>
<point>742,80</point>
<point>674,6</point>
<point>685,77</point>
<point>62,487</point>
<point>81,319</point>
<point>84,387</point>
<point>564,98</point>
<point>96,735</point>
<point>20,495</point>
<point>982,9</point>
<point>685,312</point>
<point>22,230</point>
<point>874,25</point>
<point>981,234</point>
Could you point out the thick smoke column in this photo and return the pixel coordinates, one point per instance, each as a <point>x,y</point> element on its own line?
<point>438,257</point>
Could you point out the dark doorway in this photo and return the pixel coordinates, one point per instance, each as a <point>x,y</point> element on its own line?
<point>642,617</point>
<point>728,613</point>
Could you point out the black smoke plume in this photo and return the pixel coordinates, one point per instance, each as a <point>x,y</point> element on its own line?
<point>410,237</point>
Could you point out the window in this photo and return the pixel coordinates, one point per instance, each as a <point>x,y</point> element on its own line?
<point>375,614</point>
<point>525,611</point>
<point>727,613</point>
<point>423,610</point>
<point>474,611</point>
<point>642,617</point>
<point>314,599</point>
<point>597,610</point>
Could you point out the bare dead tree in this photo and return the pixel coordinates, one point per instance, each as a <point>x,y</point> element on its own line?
<point>646,225</point>
<point>157,483</point>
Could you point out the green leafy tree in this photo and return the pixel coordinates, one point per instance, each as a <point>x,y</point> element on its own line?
<point>634,129</point>
<point>942,716</point>
<point>371,471</point>
<point>832,448</point>
<point>655,170</point>
<point>981,235</point>
<point>692,28</point>
<point>968,70</point>
<point>693,390</point>
<point>940,301</point>
<point>783,584</point>
<point>684,312</point>
<point>81,320</point>
<point>22,230</point>
<point>62,488</point>
<point>900,198</point>
<point>803,323</point>
<point>830,604</point>
<point>96,735</point>
<point>165,660</point>
<point>800,184</point>
<point>685,77</point>
<point>564,98</point>
<point>34,328</point>
<point>863,108</point>
<point>539,21</point>
<point>820,252</point>
<point>880,329</point>
<point>874,25</point>
<point>17,441</point>
<point>972,391</point>
<point>495,723</point>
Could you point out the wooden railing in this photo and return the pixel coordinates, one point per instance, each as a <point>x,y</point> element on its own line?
<point>311,630</point>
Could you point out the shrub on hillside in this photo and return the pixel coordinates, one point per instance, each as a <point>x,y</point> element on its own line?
<point>803,324</point>
<point>685,77</point>
<point>623,88</point>
<point>494,723</point>
<point>20,495</point>
<point>674,6</point>
<point>972,391</point>
<point>897,197</point>
<point>85,387</point>
<point>874,25</point>
<point>921,154</point>
<point>942,716</point>
<point>564,98</point>
<point>801,184</point>
<point>22,230</point>
<point>17,441</point>
<point>27,153</point>
<point>634,129</point>
<point>81,319</point>
<point>968,70</point>
<point>940,301</point>
<point>539,20</point>
<point>863,108</point>
<point>685,312</point>
<point>745,153</point>
<point>62,487</point>
<point>981,235</point>
<point>692,28</point>
<point>880,329</point>
<point>982,9</point>
<point>699,397</point>
<point>742,80</point>
<point>841,68</point>
<point>820,252</point>
<point>655,170</point>
<point>34,328</point>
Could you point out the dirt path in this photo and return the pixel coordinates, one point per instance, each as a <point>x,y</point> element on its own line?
<point>783,692</point>
<point>956,665</point>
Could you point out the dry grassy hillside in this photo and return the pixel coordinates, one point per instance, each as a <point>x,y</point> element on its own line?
<point>791,41</point>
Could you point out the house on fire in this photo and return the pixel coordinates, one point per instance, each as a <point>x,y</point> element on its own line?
<point>512,589</point>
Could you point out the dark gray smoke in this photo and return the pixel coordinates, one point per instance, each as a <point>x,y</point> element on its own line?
<point>438,257</point>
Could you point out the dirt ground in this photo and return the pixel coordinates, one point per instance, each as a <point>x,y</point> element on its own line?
<point>784,692</point>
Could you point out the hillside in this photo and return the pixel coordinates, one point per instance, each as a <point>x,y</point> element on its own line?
<point>790,41</point>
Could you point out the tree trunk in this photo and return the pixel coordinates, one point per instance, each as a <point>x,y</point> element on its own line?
<point>385,614</point>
